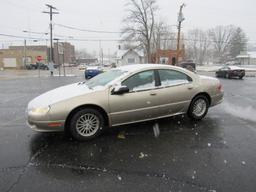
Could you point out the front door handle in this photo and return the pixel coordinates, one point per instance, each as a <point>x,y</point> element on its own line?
<point>152,94</point>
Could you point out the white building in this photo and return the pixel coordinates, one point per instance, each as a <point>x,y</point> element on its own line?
<point>248,58</point>
<point>129,56</point>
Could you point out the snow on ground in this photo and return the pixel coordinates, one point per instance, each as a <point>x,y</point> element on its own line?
<point>212,68</point>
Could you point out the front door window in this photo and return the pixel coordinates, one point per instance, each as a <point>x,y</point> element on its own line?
<point>140,81</point>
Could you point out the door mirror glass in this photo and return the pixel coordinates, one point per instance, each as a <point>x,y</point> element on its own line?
<point>118,90</point>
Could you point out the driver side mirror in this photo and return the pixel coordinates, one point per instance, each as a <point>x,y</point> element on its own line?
<point>119,90</point>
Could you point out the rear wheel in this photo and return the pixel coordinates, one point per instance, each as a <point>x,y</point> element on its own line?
<point>241,77</point>
<point>198,107</point>
<point>86,124</point>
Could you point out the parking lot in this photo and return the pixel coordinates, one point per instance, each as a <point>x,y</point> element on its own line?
<point>216,154</point>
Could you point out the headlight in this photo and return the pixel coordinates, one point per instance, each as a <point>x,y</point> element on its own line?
<point>40,110</point>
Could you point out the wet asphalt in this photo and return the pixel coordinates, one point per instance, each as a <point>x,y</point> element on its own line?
<point>215,154</point>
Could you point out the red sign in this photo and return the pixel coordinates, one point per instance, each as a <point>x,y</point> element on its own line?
<point>39,58</point>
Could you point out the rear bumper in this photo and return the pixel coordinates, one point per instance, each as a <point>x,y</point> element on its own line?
<point>217,99</point>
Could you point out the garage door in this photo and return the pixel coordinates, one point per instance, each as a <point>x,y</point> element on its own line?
<point>10,62</point>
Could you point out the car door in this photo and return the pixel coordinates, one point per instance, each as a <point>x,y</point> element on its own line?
<point>174,94</point>
<point>135,105</point>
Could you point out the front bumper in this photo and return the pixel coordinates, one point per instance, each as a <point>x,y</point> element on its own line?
<point>43,123</point>
<point>47,126</point>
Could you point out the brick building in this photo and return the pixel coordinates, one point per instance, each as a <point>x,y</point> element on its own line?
<point>64,53</point>
<point>14,58</point>
<point>168,56</point>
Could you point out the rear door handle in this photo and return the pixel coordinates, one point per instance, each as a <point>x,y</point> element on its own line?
<point>152,94</point>
<point>190,87</point>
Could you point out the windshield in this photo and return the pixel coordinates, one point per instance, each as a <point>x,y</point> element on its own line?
<point>104,78</point>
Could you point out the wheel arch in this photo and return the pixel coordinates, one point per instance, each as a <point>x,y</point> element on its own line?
<point>91,106</point>
<point>204,94</point>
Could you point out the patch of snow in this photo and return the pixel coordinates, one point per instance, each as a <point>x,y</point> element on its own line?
<point>119,177</point>
<point>173,82</point>
<point>142,155</point>
<point>145,86</point>
<point>243,163</point>
<point>59,94</point>
<point>239,111</point>
<point>209,144</point>
<point>156,130</point>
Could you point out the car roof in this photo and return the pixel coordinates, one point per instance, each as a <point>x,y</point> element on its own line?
<point>138,67</point>
<point>234,67</point>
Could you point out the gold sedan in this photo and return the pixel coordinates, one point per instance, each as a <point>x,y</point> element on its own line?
<point>124,95</point>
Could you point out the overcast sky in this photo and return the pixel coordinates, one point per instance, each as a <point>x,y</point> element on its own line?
<point>106,15</point>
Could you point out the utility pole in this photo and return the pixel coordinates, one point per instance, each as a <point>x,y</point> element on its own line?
<point>58,55</point>
<point>180,20</point>
<point>25,53</point>
<point>51,12</point>
<point>63,58</point>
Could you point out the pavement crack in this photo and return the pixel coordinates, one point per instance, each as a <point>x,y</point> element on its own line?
<point>25,167</point>
<point>82,168</point>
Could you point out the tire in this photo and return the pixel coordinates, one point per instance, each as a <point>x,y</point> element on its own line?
<point>86,124</point>
<point>194,111</point>
<point>240,77</point>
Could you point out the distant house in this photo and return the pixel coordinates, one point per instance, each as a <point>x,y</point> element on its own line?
<point>246,58</point>
<point>168,56</point>
<point>129,56</point>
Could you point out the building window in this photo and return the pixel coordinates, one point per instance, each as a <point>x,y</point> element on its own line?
<point>131,60</point>
<point>164,60</point>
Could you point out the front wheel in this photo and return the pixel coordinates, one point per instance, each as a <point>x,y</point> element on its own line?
<point>86,124</point>
<point>198,107</point>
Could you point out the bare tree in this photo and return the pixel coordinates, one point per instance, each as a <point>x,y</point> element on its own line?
<point>221,37</point>
<point>198,45</point>
<point>163,38</point>
<point>83,53</point>
<point>139,23</point>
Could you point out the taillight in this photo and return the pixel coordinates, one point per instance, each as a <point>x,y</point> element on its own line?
<point>219,87</point>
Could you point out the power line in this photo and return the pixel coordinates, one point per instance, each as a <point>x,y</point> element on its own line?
<point>20,37</point>
<point>87,30</point>
<point>111,40</point>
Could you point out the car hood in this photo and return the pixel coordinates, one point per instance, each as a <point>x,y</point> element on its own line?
<point>61,94</point>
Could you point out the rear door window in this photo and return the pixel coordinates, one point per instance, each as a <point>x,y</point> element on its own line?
<point>172,77</point>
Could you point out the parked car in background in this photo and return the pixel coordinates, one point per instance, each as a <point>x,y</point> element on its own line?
<point>189,65</point>
<point>91,72</point>
<point>35,66</point>
<point>230,72</point>
<point>82,66</point>
<point>124,95</point>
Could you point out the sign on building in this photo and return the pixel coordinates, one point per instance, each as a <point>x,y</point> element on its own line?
<point>10,62</point>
